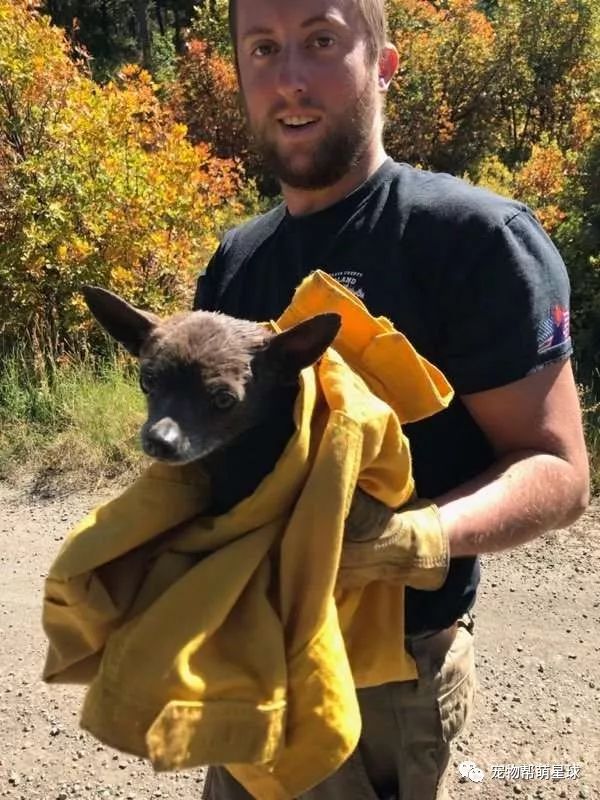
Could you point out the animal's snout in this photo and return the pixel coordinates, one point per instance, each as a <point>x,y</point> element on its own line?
<point>163,440</point>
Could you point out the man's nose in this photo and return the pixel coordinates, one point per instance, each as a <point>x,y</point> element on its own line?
<point>293,73</point>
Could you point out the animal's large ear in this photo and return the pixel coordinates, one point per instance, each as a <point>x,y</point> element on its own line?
<point>302,345</point>
<point>128,325</point>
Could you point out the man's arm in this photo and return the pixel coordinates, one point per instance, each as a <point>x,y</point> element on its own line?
<point>541,478</point>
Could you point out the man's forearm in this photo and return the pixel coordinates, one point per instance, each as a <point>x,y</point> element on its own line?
<point>515,500</point>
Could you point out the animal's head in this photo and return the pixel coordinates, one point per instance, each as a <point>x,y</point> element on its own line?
<point>207,377</point>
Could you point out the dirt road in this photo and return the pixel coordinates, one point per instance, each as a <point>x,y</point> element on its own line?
<point>538,709</point>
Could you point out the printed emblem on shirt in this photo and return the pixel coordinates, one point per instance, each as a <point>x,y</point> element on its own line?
<point>351,280</point>
<point>554,330</point>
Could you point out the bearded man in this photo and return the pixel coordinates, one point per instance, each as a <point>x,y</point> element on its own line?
<point>477,287</point>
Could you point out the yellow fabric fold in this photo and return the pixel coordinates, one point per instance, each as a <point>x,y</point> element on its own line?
<point>371,346</point>
<point>226,640</point>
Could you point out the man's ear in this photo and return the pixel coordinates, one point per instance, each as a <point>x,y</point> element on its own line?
<point>387,66</point>
<point>300,346</point>
<point>128,325</point>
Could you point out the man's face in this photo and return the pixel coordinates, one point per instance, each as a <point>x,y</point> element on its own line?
<point>309,87</point>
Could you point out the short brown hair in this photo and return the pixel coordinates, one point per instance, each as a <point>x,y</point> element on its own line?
<point>372,11</point>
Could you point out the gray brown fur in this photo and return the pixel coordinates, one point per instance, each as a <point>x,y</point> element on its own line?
<point>218,389</point>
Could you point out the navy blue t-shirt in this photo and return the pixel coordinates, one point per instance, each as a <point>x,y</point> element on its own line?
<point>469,277</point>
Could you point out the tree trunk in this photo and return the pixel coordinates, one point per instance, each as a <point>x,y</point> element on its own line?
<point>160,18</point>
<point>177,37</point>
<point>143,33</point>
<point>105,22</point>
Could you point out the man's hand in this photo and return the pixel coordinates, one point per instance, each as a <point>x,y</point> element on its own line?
<point>408,547</point>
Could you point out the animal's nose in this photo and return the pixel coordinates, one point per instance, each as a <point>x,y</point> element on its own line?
<point>163,439</point>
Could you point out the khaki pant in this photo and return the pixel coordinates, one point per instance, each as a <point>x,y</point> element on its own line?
<point>404,750</point>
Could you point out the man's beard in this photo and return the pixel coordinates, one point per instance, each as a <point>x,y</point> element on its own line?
<point>334,156</point>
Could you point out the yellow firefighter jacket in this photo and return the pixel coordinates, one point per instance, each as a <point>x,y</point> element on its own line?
<point>225,640</point>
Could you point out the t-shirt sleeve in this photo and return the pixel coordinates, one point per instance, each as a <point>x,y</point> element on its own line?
<point>505,313</point>
<point>205,296</point>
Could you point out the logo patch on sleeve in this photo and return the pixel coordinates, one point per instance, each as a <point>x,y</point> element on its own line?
<point>554,330</point>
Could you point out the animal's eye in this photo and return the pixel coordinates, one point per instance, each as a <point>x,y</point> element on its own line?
<point>146,382</point>
<point>224,399</point>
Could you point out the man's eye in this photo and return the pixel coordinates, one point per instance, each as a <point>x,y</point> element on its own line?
<point>263,50</point>
<point>223,400</point>
<point>322,42</point>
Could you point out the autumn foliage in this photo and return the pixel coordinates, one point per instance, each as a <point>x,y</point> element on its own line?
<point>205,95</point>
<point>98,184</point>
<point>129,184</point>
<point>441,99</point>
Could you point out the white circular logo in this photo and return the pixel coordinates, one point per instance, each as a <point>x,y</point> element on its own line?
<point>476,775</point>
<point>470,771</point>
<point>465,767</point>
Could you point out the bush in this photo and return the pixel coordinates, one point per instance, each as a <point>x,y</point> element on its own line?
<point>98,185</point>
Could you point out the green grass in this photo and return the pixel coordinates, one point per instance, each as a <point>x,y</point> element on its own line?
<point>72,423</point>
<point>76,423</point>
